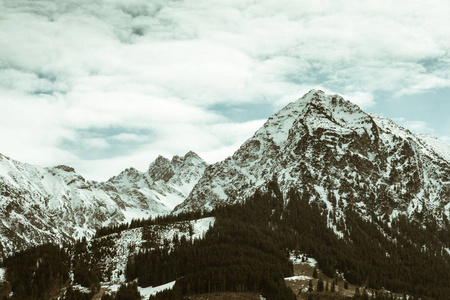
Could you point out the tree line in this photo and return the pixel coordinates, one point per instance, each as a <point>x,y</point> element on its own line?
<point>247,251</point>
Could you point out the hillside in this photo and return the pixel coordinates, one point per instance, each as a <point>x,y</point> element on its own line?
<point>260,247</point>
<point>343,157</point>
<point>322,188</point>
<point>55,205</point>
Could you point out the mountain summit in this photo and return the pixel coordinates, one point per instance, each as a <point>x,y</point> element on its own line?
<point>40,205</point>
<point>342,156</point>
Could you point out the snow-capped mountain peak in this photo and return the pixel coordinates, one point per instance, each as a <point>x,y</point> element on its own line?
<point>341,155</point>
<point>56,204</point>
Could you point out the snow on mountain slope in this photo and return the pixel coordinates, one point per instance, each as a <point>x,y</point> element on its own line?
<point>39,205</point>
<point>328,147</point>
<point>441,148</point>
<point>129,242</point>
<point>163,186</point>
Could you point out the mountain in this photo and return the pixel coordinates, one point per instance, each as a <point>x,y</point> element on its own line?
<point>361,198</point>
<point>39,205</point>
<point>342,156</point>
<point>165,184</point>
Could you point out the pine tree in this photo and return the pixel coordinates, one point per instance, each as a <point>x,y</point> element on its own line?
<point>310,286</point>
<point>315,274</point>
<point>320,285</point>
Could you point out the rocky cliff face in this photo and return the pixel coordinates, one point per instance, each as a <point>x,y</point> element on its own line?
<point>342,157</point>
<point>164,185</point>
<point>39,205</point>
<point>320,144</point>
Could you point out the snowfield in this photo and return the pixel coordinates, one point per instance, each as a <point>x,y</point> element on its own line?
<point>147,292</point>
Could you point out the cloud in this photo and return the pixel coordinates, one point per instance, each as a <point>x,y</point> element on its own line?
<point>128,80</point>
<point>416,126</point>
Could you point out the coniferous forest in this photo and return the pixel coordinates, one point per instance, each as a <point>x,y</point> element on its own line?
<point>247,250</point>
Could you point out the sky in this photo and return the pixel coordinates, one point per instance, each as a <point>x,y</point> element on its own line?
<point>103,85</point>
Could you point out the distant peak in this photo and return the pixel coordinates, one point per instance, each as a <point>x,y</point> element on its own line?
<point>312,93</point>
<point>160,160</point>
<point>188,157</point>
<point>65,168</point>
<point>130,170</point>
<point>321,96</point>
<point>191,155</point>
<point>127,173</point>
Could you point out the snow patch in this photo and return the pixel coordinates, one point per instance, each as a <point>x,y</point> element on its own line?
<point>2,274</point>
<point>81,288</point>
<point>135,213</point>
<point>300,259</point>
<point>301,277</point>
<point>129,242</point>
<point>440,147</point>
<point>149,291</point>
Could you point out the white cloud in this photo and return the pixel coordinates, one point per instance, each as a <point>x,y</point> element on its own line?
<point>415,126</point>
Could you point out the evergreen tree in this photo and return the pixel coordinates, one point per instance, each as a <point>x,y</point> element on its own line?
<point>320,285</point>
<point>128,292</point>
<point>310,286</point>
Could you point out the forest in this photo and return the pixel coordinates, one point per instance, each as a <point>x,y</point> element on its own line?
<point>247,250</point>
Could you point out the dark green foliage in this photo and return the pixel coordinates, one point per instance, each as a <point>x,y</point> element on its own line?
<point>320,287</point>
<point>158,220</point>
<point>36,272</point>
<point>108,296</point>
<point>72,294</point>
<point>247,250</point>
<point>173,294</point>
<point>128,292</point>
<point>415,262</point>
<point>310,286</point>
<point>85,269</point>
<point>240,253</point>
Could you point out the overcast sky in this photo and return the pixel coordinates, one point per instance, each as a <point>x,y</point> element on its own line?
<point>105,85</point>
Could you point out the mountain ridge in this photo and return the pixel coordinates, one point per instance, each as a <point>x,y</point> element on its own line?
<point>329,146</point>
<point>363,196</point>
<point>55,204</point>
<point>322,144</point>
